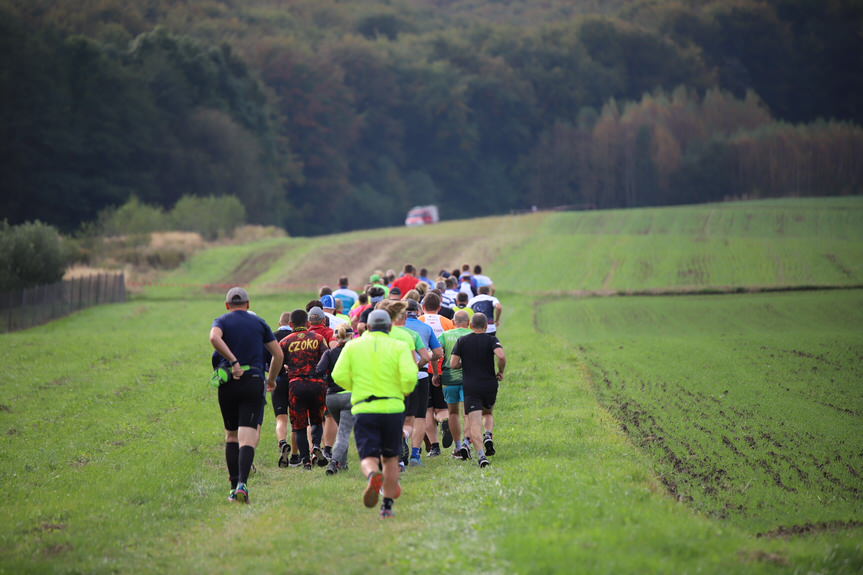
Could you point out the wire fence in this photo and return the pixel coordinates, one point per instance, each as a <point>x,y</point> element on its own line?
<point>21,309</point>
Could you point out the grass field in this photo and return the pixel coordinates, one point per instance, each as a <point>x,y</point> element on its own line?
<point>612,424</point>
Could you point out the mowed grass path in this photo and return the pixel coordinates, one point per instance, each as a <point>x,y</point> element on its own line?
<point>112,462</point>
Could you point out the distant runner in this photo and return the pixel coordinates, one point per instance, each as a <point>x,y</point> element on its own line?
<point>346,295</point>
<point>489,306</point>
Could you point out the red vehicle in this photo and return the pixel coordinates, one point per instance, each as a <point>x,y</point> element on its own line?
<point>422,215</point>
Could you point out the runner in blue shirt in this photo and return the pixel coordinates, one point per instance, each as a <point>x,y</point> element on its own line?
<point>417,402</point>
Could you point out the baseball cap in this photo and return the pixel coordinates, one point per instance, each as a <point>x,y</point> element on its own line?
<point>328,301</point>
<point>236,295</point>
<point>316,314</point>
<point>379,320</point>
<point>374,278</point>
<point>396,291</point>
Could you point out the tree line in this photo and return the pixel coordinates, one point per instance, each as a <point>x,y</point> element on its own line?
<point>322,116</point>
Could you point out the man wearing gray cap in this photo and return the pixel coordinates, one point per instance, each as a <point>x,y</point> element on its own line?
<point>379,371</point>
<point>240,338</point>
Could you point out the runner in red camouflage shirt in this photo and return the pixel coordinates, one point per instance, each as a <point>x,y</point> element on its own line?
<point>306,392</point>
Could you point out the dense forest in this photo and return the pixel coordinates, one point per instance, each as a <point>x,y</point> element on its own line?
<point>326,115</point>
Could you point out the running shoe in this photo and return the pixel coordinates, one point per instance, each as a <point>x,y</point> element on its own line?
<point>488,443</point>
<point>318,457</point>
<point>232,496</point>
<point>402,467</point>
<point>484,462</point>
<point>465,453</point>
<point>242,493</point>
<point>295,460</point>
<point>406,451</point>
<point>373,489</point>
<point>307,465</point>
<point>414,461</point>
<point>285,458</point>
<point>457,454</point>
<point>387,512</point>
<point>434,451</point>
<point>333,467</point>
<point>447,434</point>
<point>328,452</point>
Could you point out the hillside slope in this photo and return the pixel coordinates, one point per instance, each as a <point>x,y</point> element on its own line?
<point>773,244</point>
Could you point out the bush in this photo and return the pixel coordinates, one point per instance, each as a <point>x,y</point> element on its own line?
<point>30,254</point>
<point>211,216</point>
<point>132,218</point>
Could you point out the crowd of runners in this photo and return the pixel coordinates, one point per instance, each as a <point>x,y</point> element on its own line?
<point>409,364</point>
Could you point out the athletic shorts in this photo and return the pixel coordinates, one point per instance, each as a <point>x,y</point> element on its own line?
<point>379,434</point>
<point>417,402</point>
<point>436,399</point>
<point>453,393</point>
<point>308,399</point>
<point>480,397</point>
<point>263,406</point>
<point>281,401</point>
<point>240,401</point>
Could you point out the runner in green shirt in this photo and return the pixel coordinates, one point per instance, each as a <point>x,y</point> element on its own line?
<point>379,371</point>
<point>422,354</point>
<point>451,379</point>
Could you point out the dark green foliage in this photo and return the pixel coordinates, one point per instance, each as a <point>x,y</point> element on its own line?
<point>317,106</point>
<point>132,218</point>
<point>92,126</point>
<point>30,254</point>
<point>211,216</point>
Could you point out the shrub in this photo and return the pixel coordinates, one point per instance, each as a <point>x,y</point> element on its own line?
<point>211,216</point>
<point>30,254</point>
<point>132,218</point>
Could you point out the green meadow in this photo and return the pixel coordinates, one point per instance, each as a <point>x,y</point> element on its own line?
<point>636,434</point>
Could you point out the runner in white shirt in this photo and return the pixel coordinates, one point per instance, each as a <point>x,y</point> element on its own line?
<point>451,292</point>
<point>329,307</point>
<point>488,305</point>
<point>480,279</point>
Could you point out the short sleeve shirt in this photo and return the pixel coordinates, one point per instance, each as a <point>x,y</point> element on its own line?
<point>246,335</point>
<point>485,304</point>
<point>303,350</point>
<point>476,351</point>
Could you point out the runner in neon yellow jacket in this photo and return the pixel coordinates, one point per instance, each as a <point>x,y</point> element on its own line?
<point>376,366</point>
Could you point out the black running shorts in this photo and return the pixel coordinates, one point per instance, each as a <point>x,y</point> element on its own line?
<point>281,401</point>
<point>480,397</point>
<point>379,434</point>
<point>417,402</point>
<point>436,399</point>
<point>240,400</point>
